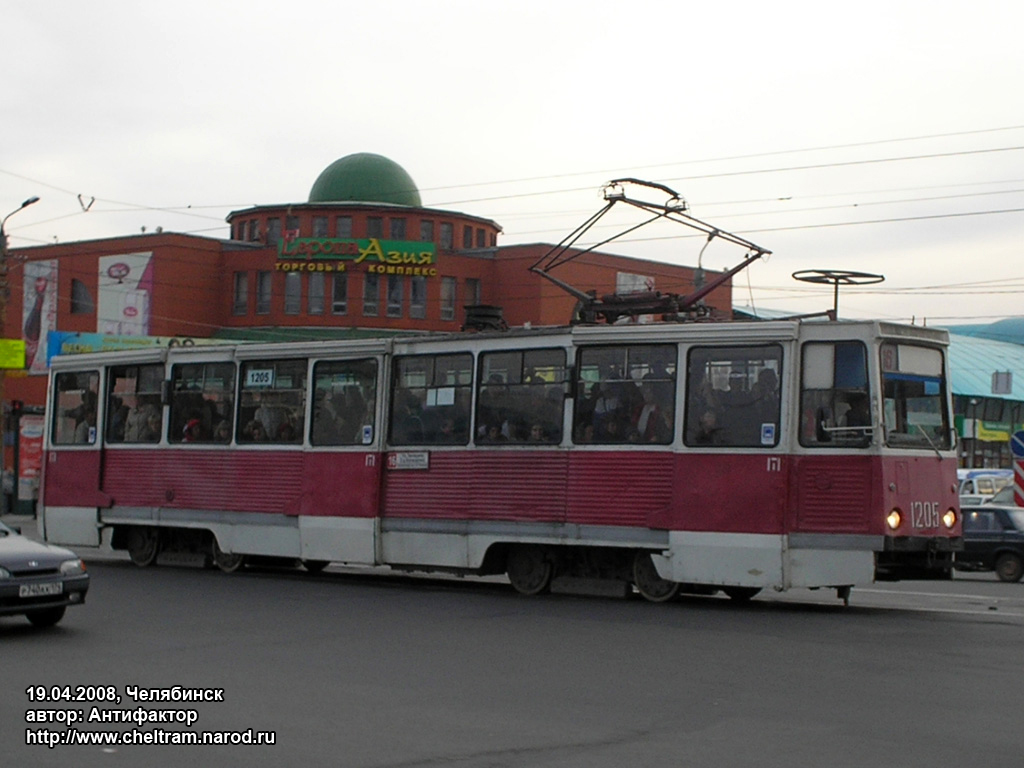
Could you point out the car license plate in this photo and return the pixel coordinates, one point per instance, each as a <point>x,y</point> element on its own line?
<point>38,590</point>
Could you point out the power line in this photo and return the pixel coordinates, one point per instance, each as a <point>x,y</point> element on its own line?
<point>186,210</point>
<point>827,207</point>
<point>728,158</point>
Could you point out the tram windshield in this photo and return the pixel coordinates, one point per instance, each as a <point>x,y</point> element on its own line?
<point>914,391</point>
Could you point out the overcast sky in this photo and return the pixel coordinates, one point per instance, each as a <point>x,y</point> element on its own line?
<point>883,137</point>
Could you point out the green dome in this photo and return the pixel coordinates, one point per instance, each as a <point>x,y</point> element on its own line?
<point>365,178</point>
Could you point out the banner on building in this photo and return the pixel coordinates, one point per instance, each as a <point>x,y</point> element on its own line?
<point>125,291</point>
<point>38,311</point>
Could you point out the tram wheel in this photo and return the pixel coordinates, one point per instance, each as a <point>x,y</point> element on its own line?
<point>648,583</point>
<point>143,545</point>
<point>315,566</point>
<point>229,563</point>
<point>529,569</point>
<point>741,594</point>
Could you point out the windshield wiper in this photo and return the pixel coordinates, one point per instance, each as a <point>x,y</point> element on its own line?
<point>934,447</point>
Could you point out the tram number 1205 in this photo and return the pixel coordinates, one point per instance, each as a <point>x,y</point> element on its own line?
<point>924,514</point>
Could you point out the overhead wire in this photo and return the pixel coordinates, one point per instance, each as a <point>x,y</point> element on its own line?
<point>192,210</point>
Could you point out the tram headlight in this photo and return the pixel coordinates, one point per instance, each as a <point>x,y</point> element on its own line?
<point>949,519</point>
<point>893,519</point>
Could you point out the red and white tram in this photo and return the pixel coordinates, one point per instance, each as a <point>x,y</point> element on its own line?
<point>733,456</point>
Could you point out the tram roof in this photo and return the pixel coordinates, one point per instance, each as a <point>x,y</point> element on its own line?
<point>664,332</point>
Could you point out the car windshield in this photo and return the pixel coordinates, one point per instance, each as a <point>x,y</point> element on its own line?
<point>1003,495</point>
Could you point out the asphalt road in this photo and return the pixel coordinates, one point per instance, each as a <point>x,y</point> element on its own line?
<point>370,670</point>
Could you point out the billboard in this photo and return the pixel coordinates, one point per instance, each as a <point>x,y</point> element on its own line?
<point>125,291</point>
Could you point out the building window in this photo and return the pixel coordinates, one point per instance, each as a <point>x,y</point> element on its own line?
<point>254,231</point>
<point>315,301</point>
<point>292,293</point>
<point>339,294</point>
<point>319,226</point>
<point>396,229</point>
<point>396,295</point>
<point>473,291</point>
<point>240,306</point>
<point>448,287</point>
<point>481,238</point>
<point>263,285</point>
<point>467,236</point>
<point>242,231</point>
<point>447,236</point>
<point>292,225</point>
<point>427,231</point>
<point>374,226</point>
<point>371,294</point>
<point>273,231</point>
<point>343,226</point>
<point>418,298</point>
<point>81,299</point>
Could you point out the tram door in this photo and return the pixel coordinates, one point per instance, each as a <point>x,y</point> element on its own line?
<point>341,475</point>
<point>71,494</point>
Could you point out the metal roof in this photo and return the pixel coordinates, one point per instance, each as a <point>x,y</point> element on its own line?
<point>973,360</point>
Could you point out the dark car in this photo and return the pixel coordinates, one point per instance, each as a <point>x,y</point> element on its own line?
<point>993,541</point>
<point>38,580</point>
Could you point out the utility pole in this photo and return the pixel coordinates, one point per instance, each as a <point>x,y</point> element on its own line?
<point>4,290</point>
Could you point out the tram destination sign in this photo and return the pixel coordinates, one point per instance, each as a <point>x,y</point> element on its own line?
<point>331,254</point>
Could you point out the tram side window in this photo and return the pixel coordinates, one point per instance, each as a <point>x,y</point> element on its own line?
<point>272,401</point>
<point>914,397</point>
<point>134,409</point>
<point>431,400</point>
<point>74,407</point>
<point>344,394</point>
<point>202,402</point>
<point>625,394</point>
<point>732,396</point>
<point>521,397</point>
<point>835,400</point>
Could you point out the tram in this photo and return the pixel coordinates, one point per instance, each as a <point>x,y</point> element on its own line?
<point>668,456</point>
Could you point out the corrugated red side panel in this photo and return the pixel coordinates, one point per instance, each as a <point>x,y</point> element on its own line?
<point>620,488</point>
<point>484,485</point>
<point>242,481</point>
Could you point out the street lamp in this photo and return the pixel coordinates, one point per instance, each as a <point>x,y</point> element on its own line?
<point>3,236</point>
<point>3,266</point>
<point>3,313</point>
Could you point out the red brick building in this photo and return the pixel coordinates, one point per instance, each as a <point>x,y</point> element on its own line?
<point>361,256</point>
